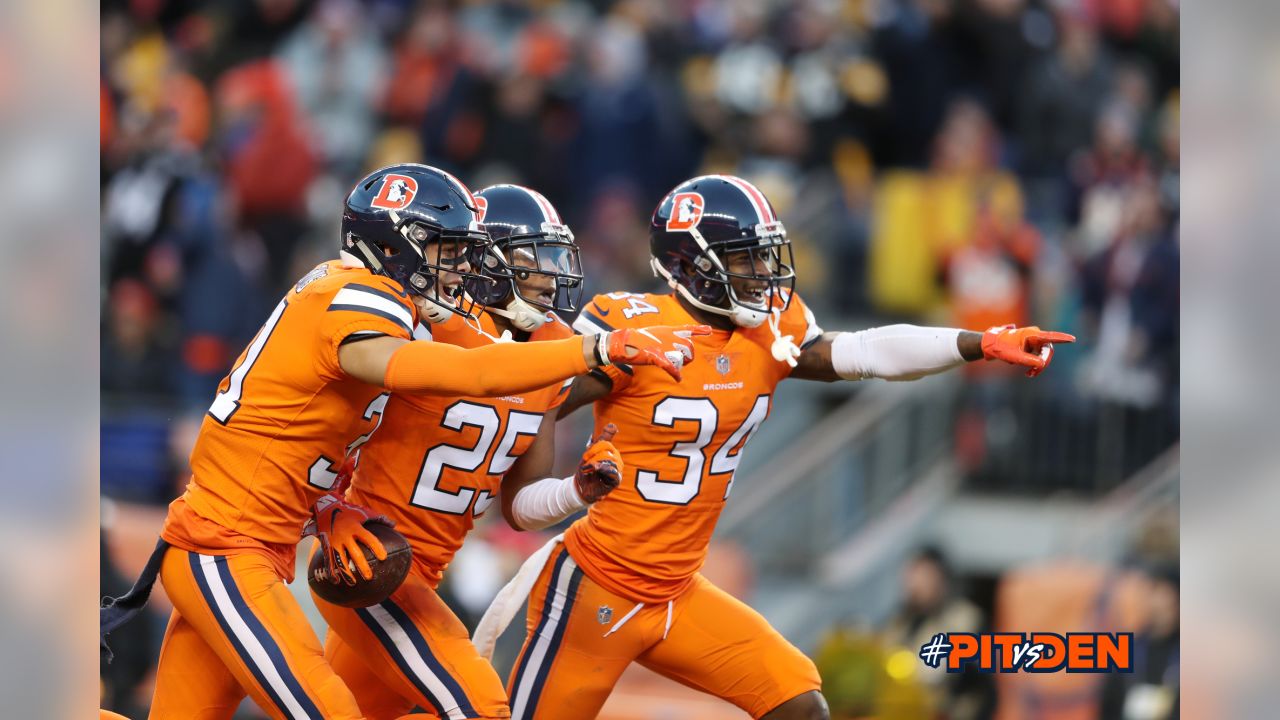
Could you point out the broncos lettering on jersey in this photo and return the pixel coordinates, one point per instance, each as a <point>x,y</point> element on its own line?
<point>682,443</point>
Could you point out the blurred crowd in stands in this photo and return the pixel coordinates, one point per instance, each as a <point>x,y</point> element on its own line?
<point>990,160</point>
<point>967,162</point>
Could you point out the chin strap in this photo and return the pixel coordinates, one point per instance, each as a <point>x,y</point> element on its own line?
<point>474,323</point>
<point>784,348</point>
<point>440,309</point>
<point>433,312</point>
<point>739,318</point>
<point>522,315</point>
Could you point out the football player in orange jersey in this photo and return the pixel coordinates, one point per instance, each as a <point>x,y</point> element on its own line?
<point>438,463</point>
<point>624,585</point>
<point>310,389</point>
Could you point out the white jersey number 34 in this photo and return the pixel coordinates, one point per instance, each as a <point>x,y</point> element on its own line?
<point>724,460</point>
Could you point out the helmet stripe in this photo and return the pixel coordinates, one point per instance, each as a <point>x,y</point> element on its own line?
<point>548,210</point>
<point>466,192</point>
<point>754,195</point>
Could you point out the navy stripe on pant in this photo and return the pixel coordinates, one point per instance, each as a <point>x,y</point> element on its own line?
<point>523,706</point>
<point>287,693</point>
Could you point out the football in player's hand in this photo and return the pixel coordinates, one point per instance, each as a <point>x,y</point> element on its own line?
<point>387,574</point>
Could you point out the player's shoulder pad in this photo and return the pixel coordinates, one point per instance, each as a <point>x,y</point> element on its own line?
<point>798,321</point>
<point>318,280</point>
<point>610,311</point>
<point>553,329</point>
<point>332,276</point>
<point>363,292</point>
<point>382,285</point>
<point>596,315</point>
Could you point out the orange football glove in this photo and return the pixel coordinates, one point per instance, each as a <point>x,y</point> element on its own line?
<point>1029,347</point>
<point>667,347</point>
<point>601,468</point>
<point>339,526</point>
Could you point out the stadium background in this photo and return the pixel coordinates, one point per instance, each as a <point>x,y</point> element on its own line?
<point>956,162</point>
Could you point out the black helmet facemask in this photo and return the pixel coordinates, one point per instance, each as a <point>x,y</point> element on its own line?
<point>421,227</point>
<point>530,275</point>
<point>446,252</point>
<point>712,288</point>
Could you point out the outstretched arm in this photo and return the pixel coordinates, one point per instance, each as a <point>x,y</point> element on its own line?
<point>430,368</point>
<point>422,366</point>
<point>909,352</point>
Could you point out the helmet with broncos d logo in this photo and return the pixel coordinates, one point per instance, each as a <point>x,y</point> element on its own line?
<point>704,221</point>
<point>533,266</point>
<point>421,227</point>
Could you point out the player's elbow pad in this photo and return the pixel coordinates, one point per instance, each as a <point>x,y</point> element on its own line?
<point>895,352</point>
<point>545,502</point>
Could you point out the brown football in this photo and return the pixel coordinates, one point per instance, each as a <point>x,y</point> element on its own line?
<point>387,574</point>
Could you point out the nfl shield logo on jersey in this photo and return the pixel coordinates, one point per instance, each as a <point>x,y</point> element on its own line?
<point>604,614</point>
<point>722,364</point>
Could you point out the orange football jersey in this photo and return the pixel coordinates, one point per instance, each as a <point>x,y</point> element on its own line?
<point>286,415</point>
<point>681,444</point>
<point>436,463</point>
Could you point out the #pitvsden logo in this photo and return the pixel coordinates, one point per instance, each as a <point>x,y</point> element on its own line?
<point>1039,652</point>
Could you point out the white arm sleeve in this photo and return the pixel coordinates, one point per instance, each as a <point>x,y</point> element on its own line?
<point>545,502</point>
<point>895,352</point>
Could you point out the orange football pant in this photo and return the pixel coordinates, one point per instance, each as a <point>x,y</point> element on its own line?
<point>411,651</point>
<point>236,629</point>
<point>715,643</point>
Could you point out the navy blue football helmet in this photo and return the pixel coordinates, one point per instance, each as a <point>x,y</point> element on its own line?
<point>533,265</point>
<point>417,224</point>
<point>696,229</point>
